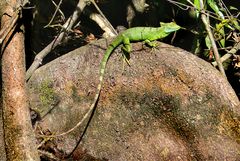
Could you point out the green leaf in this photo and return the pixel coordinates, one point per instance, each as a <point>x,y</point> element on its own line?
<point>220,31</point>
<point>235,24</point>
<point>233,8</point>
<point>208,42</point>
<point>197,5</point>
<point>215,8</point>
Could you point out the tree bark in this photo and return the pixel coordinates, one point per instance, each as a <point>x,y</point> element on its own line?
<point>19,138</point>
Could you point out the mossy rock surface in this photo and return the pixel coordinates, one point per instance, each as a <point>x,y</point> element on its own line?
<point>167,105</point>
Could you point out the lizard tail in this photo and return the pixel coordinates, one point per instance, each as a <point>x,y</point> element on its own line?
<point>93,105</point>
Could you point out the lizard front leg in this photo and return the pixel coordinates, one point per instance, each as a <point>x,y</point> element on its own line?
<point>150,43</point>
<point>126,48</point>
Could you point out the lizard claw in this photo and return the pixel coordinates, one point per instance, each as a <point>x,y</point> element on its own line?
<point>126,58</point>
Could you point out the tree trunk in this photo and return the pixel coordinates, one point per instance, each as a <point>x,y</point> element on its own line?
<point>20,142</point>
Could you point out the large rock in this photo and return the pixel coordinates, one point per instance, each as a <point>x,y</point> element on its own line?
<point>167,105</point>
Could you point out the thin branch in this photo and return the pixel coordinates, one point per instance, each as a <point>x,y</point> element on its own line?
<point>233,51</point>
<point>66,27</point>
<point>60,11</point>
<point>205,21</point>
<point>54,15</point>
<point>181,5</point>
<point>105,19</point>
<point>48,154</point>
<point>101,21</point>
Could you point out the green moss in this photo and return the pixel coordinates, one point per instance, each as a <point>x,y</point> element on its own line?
<point>47,94</point>
<point>75,95</point>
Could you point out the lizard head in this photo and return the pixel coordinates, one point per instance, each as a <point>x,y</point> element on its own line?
<point>170,27</point>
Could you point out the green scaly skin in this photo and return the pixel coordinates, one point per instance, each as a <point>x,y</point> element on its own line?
<point>145,34</point>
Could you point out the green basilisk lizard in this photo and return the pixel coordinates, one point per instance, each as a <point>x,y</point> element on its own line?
<point>145,34</point>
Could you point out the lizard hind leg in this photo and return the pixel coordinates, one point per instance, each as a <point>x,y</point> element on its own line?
<point>126,48</point>
<point>126,45</point>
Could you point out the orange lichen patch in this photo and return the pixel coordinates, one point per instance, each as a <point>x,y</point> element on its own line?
<point>170,85</point>
<point>229,126</point>
<point>68,88</point>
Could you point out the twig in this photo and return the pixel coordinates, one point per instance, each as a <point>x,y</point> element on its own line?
<point>234,50</point>
<point>181,5</point>
<point>58,6</point>
<point>205,20</point>
<point>54,15</point>
<point>105,19</point>
<point>67,26</point>
<point>48,154</point>
<point>101,22</point>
